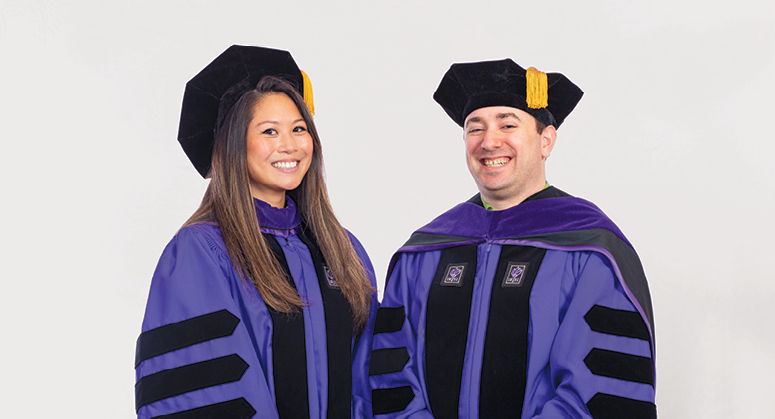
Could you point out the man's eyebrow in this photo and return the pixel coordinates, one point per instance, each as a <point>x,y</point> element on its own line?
<point>508,114</point>
<point>503,115</point>
<point>473,119</point>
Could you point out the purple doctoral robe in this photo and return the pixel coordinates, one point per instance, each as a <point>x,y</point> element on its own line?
<point>210,346</point>
<point>538,311</point>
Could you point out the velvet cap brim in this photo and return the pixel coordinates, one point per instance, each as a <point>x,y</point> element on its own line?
<point>216,89</point>
<point>467,87</point>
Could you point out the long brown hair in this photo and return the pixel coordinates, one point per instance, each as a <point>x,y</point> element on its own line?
<point>228,202</point>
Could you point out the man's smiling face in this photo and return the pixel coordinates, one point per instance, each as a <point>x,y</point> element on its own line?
<point>505,154</point>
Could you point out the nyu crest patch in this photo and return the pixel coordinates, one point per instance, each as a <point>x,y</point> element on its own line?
<point>330,277</point>
<point>515,274</point>
<point>453,276</point>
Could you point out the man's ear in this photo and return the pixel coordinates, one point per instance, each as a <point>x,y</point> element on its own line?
<point>548,138</point>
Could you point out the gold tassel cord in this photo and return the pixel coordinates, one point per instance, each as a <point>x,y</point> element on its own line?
<point>537,89</point>
<point>308,93</point>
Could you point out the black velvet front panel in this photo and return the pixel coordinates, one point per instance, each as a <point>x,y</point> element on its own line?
<point>504,365</point>
<point>446,328</point>
<point>339,335</point>
<point>289,354</point>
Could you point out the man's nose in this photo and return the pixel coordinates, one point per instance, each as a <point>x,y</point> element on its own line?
<point>491,140</point>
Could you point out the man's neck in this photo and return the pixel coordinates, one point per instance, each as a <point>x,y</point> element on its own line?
<point>495,204</point>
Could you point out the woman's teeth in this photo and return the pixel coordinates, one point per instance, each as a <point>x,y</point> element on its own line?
<point>285,164</point>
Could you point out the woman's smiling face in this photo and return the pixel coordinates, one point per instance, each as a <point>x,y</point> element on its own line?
<point>279,148</point>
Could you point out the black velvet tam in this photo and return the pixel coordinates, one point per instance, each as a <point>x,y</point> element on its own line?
<point>467,87</point>
<point>215,90</point>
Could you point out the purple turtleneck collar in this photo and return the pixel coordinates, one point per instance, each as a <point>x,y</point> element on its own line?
<point>280,221</point>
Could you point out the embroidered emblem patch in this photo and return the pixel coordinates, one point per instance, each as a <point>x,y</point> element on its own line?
<point>453,276</point>
<point>330,277</point>
<point>515,274</point>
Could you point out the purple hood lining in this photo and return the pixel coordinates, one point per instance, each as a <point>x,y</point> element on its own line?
<point>282,222</point>
<point>527,219</point>
<point>272,218</point>
<point>566,223</point>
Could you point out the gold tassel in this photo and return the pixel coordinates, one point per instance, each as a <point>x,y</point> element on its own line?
<point>308,93</point>
<point>537,89</point>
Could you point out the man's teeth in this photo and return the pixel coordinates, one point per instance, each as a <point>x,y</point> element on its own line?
<point>496,162</point>
<point>285,164</point>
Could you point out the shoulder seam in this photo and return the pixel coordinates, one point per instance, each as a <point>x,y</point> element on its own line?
<point>212,242</point>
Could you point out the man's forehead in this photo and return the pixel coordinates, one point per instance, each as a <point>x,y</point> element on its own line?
<point>498,112</point>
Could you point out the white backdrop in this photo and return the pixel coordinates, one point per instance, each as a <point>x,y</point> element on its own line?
<point>672,139</point>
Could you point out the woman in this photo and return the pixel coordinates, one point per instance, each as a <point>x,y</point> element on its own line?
<point>262,305</point>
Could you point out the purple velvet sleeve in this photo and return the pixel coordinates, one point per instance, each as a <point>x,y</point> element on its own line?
<point>402,288</point>
<point>194,278</point>
<point>559,383</point>
<point>362,349</point>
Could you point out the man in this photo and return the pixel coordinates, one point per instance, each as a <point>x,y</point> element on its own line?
<point>523,301</point>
